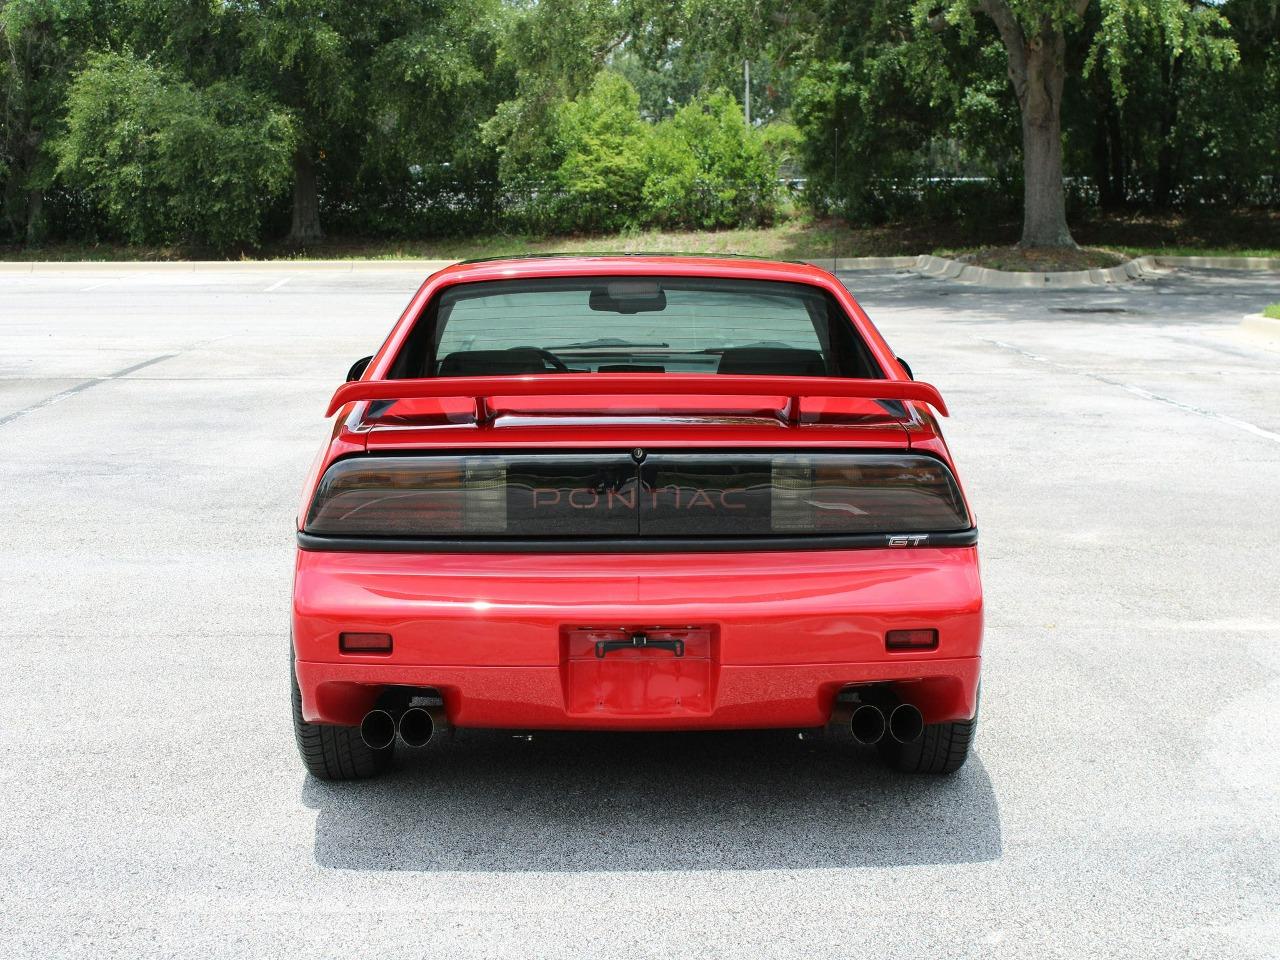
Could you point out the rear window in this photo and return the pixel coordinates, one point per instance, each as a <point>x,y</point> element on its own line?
<point>634,325</point>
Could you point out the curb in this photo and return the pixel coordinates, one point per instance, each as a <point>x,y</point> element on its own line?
<point>1142,268</point>
<point>1257,323</point>
<point>218,266</point>
<point>865,263</point>
<point>1221,263</point>
<point>940,268</point>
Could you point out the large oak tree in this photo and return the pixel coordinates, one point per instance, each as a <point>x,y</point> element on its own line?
<point>1034,34</point>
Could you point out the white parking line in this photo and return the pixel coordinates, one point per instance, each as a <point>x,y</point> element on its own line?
<point>95,286</point>
<point>277,285</point>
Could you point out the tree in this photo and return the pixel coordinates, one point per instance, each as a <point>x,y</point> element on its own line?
<point>371,78</point>
<point>42,42</point>
<point>709,169</point>
<point>172,162</point>
<point>1034,34</point>
<point>554,49</point>
<point>606,149</point>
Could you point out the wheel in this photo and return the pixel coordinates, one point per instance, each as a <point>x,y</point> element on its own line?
<point>334,753</point>
<point>942,748</point>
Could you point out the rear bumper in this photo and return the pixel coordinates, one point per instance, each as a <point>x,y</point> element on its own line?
<point>490,633</point>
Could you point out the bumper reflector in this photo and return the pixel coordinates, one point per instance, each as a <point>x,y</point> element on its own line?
<point>911,639</point>
<point>364,642</point>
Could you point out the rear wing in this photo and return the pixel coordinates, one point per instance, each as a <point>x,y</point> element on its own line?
<point>635,385</point>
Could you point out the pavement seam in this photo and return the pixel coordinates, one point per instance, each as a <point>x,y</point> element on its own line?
<point>1139,391</point>
<point>80,388</point>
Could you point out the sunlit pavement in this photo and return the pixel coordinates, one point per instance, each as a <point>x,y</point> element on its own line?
<point>1122,448</point>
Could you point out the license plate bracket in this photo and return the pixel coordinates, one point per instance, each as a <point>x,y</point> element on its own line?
<point>639,671</point>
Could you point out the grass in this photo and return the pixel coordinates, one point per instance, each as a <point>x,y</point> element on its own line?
<point>1272,311</point>
<point>984,240</point>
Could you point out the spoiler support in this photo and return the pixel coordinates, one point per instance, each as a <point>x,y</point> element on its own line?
<point>480,389</point>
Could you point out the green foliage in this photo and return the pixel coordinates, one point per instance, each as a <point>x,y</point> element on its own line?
<point>613,170</point>
<point>42,42</point>
<point>193,119</point>
<point>606,149</point>
<point>172,162</point>
<point>708,169</point>
<point>553,49</point>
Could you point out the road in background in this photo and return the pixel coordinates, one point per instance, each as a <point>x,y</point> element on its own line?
<point>1122,449</point>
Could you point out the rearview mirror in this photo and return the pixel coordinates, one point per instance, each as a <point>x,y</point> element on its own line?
<point>628,296</point>
<point>358,368</point>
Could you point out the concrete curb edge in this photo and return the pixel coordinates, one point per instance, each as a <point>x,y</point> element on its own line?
<point>925,264</point>
<point>218,266</point>
<point>1257,323</point>
<point>1143,268</point>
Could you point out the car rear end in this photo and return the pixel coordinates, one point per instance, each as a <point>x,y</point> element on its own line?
<point>690,517</point>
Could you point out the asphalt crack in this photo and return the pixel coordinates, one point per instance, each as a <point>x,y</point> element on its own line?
<point>1137,391</point>
<point>80,388</point>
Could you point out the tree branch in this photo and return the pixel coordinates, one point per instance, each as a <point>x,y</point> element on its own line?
<point>1015,40</point>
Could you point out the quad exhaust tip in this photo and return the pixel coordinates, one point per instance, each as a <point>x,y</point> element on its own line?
<point>906,723</point>
<point>867,724</point>
<point>416,727</point>
<point>378,729</point>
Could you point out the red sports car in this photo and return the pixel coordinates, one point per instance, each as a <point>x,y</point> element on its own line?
<point>634,493</point>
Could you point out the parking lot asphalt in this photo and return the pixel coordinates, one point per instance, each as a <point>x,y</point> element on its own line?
<point>1122,450</point>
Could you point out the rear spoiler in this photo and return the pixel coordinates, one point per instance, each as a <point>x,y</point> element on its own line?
<point>634,385</point>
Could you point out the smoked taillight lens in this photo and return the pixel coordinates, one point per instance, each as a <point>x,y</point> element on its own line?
<point>862,493</point>
<point>675,494</point>
<point>801,494</point>
<point>389,496</point>
<point>515,495</point>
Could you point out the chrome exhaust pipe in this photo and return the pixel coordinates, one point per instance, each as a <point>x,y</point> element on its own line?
<point>378,729</point>
<point>906,723</point>
<point>867,724</point>
<point>416,727</point>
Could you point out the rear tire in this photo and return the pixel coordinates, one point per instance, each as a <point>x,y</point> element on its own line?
<point>334,753</point>
<point>941,749</point>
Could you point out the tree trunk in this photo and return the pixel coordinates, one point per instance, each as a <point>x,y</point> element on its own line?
<point>35,215</point>
<point>1102,163</point>
<point>1169,73</point>
<point>306,202</point>
<point>1036,70</point>
<point>1118,165</point>
<point>1044,215</point>
<point>1108,149</point>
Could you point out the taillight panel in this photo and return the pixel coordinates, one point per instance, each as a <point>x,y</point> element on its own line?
<point>661,494</point>
<point>518,495</point>
<point>766,494</point>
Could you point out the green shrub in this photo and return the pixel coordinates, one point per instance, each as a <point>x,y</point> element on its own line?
<point>605,146</point>
<point>1272,311</point>
<point>701,168</point>
<point>709,169</point>
<point>170,162</point>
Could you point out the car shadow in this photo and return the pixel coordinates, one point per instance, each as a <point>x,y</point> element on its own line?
<point>494,801</point>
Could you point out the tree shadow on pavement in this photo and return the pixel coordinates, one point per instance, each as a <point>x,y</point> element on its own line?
<point>491,801</point>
